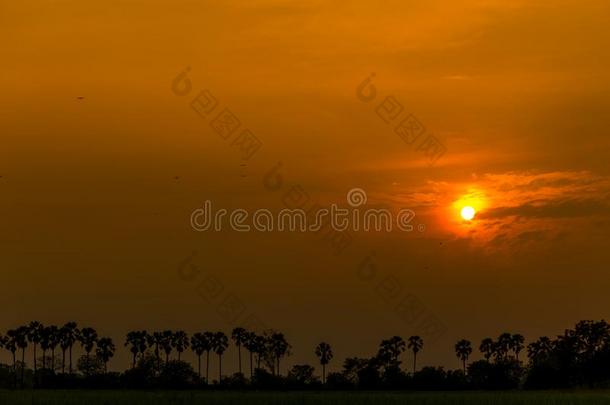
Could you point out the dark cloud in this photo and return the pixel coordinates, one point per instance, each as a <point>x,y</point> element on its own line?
<point>572,208</point>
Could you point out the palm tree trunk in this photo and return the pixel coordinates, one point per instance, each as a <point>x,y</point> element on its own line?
<point>323,373</point>
<point>70,355</point>
<point>63,361</point>
<point>35,368</point>
<point>22,365</point>
<point>239,357</point>
<point>53,359</point>
<point>207,367</point>
<point>44,364</point>
<point>251,372</point>
<point>133,361</point>
<point>15,368</point>
<point>414,361</point>
<point>219,368</point>
<point>464,364</point>
<point>199,365</point>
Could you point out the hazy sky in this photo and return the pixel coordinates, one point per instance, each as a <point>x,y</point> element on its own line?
<point>96,194</point>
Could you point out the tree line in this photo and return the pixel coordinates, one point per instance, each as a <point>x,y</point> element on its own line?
<point>578,357</point>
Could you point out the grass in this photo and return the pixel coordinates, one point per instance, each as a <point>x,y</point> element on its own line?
<point>301,398</point>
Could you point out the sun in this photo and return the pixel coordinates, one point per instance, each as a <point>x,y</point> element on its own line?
<point>468,208</point>
<point>467,213</point>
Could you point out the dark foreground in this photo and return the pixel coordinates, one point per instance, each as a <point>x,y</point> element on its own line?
<point>355,398</point>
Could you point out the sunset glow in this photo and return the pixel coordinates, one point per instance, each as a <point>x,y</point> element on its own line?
<point>122,120</point>
<point>467,213</point>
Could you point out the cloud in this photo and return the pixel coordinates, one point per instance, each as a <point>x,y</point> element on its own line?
<point>552,209</point>
<point>514,208</point>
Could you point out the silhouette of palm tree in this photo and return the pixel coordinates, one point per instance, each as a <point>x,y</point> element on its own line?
<point>166,343</point>
<point>539,348</point>
<point>534,351</point>
<point>546,344</point>
<point>250,345</point>
<point>416,343</point>
<point>136,340</point>
<point>87,338</point>
<point>131,340</point>
<point>180,341</point>
<point>21,340</point>
<point>574,356</point>
<point>10,344</point>
<point>260,346</point>
<point>516,344</point>
<point>591,337</point>
<point>34,334</point>
<point>69,333</point>
<point>487,347</point>
<point>279,348</point>
<point>52,334</point>
<point>325,354</point>
<point>208,344</point>
<point>155,340</point>
<point>105,350</point>
<point>598,333</point>
<point>45,341</point>
<point>220,344</point>
<point>390,351</point>
<point>239,336</point>
<point>198,345</point>
<point>463,349</point>
<point>503,345</point>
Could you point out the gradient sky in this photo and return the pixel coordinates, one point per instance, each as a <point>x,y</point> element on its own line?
<point>96,194</point>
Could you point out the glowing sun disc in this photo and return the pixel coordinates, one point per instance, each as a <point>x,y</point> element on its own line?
<point>467,213</point>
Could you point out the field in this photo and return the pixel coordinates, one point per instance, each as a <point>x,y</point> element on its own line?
<point>300,398</point>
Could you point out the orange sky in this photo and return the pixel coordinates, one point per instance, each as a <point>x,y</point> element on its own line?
<point>96,194</point>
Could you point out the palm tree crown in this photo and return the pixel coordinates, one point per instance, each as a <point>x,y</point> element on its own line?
<point>516,344</point>
<point>416,343</point>
<point>220,342</point>
<point>487,348</point>
<point>239,336</point>
<point>325,354</point>
<point>105,350</point>
<point>87,338</point>
<point>180,341</point>
<point>68,336</point>
<point>137,342</point>
<point>463,349</point>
